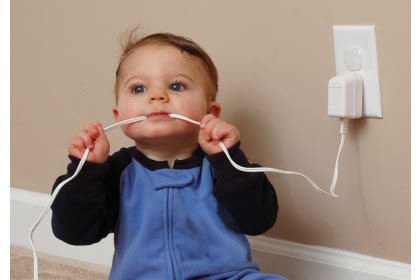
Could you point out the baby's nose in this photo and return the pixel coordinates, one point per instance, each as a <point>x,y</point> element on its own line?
<point>158,95</point>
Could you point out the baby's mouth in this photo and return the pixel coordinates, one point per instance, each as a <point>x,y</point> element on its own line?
<point>158,115</point>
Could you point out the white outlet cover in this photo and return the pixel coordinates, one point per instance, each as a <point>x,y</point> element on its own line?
<point>357,44</point>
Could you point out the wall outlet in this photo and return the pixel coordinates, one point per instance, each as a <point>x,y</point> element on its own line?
<point>355,50</point>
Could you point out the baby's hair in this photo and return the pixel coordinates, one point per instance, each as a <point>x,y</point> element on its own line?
<point>132,41</point>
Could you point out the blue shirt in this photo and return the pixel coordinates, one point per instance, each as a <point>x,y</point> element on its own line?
<point>182,223</point>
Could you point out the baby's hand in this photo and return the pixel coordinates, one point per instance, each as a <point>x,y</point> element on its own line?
<point>93,138</point>
<point>214,130</point>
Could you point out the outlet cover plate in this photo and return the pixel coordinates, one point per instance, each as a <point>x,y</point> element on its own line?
<point>360,40</point>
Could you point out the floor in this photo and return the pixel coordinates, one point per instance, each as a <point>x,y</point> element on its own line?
<point>52,267</point>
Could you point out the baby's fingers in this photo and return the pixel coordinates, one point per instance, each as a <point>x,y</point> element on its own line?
<point>87,140</point>
<point>76,146</point>
<point>93,130</point>
<point>206,119</point>
<point>90,134</point>
<point>220,130</point>
<point>209,128</point>
<point>99,131</point>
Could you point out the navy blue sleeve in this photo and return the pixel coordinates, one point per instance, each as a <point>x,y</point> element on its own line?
<point>86,209</point>
<point>250,197</point>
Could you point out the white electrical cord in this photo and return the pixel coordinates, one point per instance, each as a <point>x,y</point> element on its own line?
<point>56,191</point>
<point>343,131</point>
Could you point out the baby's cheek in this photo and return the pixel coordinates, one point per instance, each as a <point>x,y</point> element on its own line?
<point>128,131</point>
<point>188,112</point>
<point>128,110</point>
<point>194,111</point>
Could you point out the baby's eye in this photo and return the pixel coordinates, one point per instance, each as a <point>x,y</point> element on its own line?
<point>139,89</point>
<point>176,86</point>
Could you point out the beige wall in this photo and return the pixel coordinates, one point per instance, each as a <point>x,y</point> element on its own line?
<point>274,60</point>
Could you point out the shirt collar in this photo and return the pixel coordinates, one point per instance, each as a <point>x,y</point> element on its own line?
<point>193,161</point>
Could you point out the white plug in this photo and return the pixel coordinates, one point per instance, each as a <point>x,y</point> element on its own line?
<point>345,95</point>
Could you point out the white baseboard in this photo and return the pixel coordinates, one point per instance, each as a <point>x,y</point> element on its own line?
<point>293,260</point>
<point>316,262</point>
<point>26,207</point>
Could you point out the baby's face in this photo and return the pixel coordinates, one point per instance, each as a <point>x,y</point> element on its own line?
<point>156,80</point>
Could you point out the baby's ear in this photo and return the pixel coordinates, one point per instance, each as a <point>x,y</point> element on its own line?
<point>214,108</point>
<point>115,112</point>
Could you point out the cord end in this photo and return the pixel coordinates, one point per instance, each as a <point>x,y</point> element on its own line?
<point>344,125</point>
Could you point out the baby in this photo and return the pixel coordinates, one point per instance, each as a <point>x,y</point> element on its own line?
<point>176,206</point>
